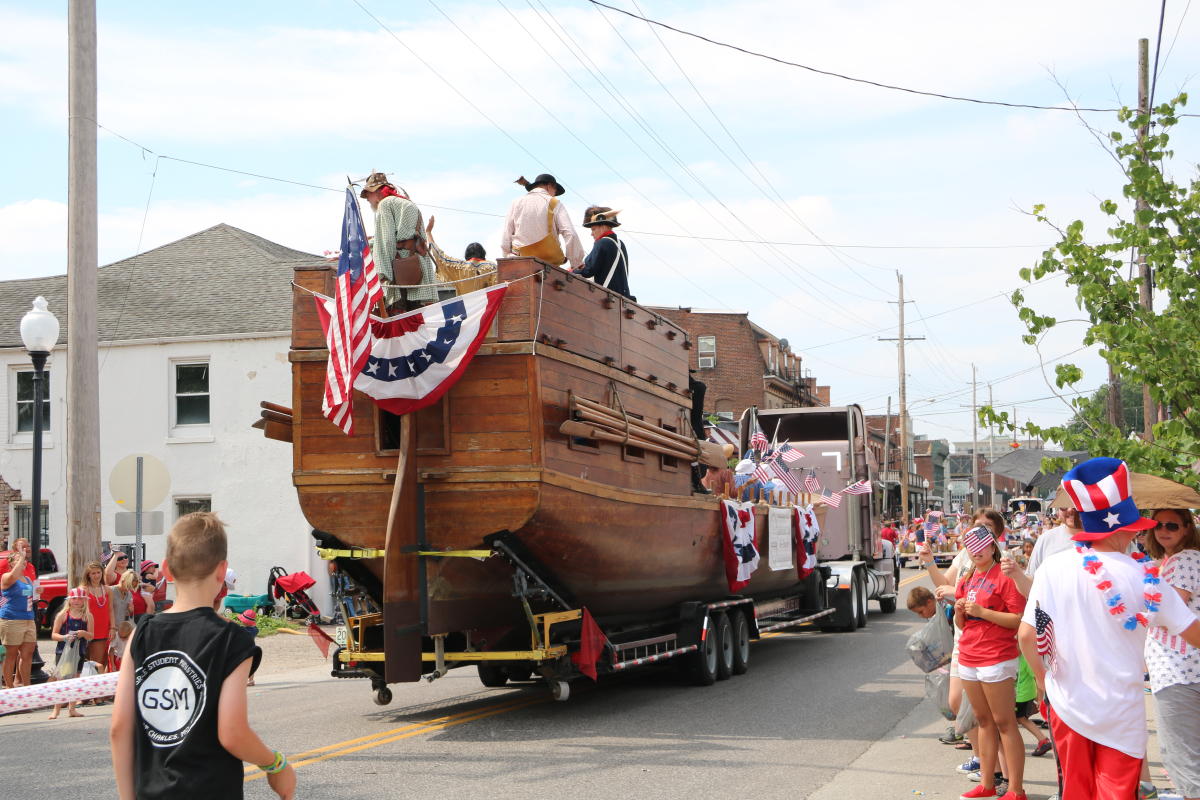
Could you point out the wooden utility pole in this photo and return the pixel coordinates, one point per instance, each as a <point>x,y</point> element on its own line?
<point>887,457</point>
<point>83,402</point>
<point>1146,290</point>
<point>903,401</point>
<point>974,445</point>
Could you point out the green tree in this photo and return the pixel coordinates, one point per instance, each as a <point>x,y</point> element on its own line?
<point>1096,407</point>
<point>1159,349</point>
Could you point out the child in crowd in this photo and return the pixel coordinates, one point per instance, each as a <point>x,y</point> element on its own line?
<point>72,629</point>
<point>1026,694</point>
<point>248,620</point>
<point>922,602</point>
<point>192,749</point>
<point>124,633</point>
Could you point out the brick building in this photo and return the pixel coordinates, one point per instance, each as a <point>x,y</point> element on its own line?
<point>931,459</point>
<point>744,365</point>
<point>8,496</point>
<point>960,482</point>
<point>884,443</point>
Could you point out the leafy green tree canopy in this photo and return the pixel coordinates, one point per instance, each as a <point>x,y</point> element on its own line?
<point>1160,348</point>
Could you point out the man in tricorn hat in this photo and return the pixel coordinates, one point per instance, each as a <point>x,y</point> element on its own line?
<point>399,231</point>
<point>536,221</point>
<point>608,263</point>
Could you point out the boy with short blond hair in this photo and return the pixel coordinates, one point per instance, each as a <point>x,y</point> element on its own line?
<point>179,726</point>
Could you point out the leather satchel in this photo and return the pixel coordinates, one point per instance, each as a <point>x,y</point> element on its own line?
<point>406,270</point>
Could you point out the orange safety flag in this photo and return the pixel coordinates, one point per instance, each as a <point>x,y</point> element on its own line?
<point>592,642</point>
<point>320,638</point>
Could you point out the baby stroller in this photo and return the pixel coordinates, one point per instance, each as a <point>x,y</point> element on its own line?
<point>289,590</point>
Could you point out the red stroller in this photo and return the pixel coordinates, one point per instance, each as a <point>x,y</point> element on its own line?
<point>290,590</point>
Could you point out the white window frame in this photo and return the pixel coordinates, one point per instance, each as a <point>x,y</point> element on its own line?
<point>177,499</point>
<point>24,439</point>
<point>201,431</point>
<point>701,350</point>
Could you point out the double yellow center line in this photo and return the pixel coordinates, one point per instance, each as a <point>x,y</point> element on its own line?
<point>406,732</point>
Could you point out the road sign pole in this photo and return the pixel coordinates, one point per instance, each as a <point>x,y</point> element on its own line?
<point>137,519</point>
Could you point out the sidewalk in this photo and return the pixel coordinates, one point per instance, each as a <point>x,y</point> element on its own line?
<point>910,762</point>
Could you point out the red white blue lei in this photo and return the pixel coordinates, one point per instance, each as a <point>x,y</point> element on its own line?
<point>1116,605</point>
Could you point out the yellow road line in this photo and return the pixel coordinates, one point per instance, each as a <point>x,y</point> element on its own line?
<point>912,578</point>
<point>404,732</point>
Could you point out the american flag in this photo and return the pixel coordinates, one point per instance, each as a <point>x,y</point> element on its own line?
<point>758,441</point>
<point>978,539</point>
<point>789,454</point>
<point>811,483</point>
<point>862,487</point>
<point>1045,635</point>
<point>348,330</point>
<point>761,474</point>
<point>833,500</point>
<point>788,479</point>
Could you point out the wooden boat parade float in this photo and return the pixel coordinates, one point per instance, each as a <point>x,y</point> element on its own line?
<point>553,477</point>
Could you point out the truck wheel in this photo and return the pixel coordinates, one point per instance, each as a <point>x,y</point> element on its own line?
<point>492,675</point>
<point>888,604</point>
<point>702,664</point>
<point>862,601</point>
<point>741,643</point>
<point>560,690</point>
<point>383,696</point>
<point>724,631</point>
<point>854,594</point>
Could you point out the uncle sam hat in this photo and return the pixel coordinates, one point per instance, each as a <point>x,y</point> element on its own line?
<point>1099,489</point>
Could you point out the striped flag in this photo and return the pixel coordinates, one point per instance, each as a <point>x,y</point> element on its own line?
<point>1045,636</point>
<point>348,323</point>
<point>811,483</point>
<point>862,487</point>
<point>834,500</point>
<point>788,479</point>
<point>789,454</point>
<point>758,441</point>
<point>761,474</point>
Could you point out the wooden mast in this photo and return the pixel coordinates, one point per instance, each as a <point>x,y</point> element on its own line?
<point>402,618</point>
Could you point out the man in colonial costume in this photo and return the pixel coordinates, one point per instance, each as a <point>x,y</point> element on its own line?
<point>536,221</point>
<point>400,243</point>
<point>608,263</point>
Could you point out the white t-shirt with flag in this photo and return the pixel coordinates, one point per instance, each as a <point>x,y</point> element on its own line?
<point>1096,683</point>
<point>1169,658</point>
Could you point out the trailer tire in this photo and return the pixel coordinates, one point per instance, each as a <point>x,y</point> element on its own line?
<point>492,675</point>
<point>725,646</point>
<point>383,696</point>
<point>888,604</point>
<point>741,642</point>
<point>862,598</point>
<point>702,664</point>
<point>853,594</point>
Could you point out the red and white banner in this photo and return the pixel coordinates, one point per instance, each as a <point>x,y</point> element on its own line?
<point>808,535</point>
<point>42,695</point>
<point>739,543</point>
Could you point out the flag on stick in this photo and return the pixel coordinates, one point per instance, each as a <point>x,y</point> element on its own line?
<point>811,483</point>
<point>833,500</point>
<point>862,487</point>
<point>348,324</point>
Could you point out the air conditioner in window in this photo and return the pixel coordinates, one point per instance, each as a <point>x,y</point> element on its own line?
<point>708,362</point>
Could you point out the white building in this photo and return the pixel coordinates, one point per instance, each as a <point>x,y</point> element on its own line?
<point>193,335</point>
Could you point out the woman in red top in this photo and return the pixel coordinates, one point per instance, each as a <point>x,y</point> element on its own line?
<point>988,609</point>
<point>100,602</point>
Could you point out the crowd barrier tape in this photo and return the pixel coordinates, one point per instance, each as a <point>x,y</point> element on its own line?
<point>42,695</point>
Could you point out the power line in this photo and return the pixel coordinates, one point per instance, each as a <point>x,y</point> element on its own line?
<point>1175,38</point>
<point>831,74</point>
<point>1162,15</point>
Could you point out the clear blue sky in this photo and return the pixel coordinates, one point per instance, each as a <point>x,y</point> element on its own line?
<point>628,116</point>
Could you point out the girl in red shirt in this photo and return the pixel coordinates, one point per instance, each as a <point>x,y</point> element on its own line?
<point>100,602</point>
<point>988,609</point>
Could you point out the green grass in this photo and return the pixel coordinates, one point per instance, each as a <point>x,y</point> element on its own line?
<point>267,625</point>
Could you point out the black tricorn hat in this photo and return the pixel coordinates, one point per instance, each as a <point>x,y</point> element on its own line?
<point>600,215</point>
<point>545,179</point>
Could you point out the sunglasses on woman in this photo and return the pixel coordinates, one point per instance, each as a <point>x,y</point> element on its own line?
<point>1171,526</point>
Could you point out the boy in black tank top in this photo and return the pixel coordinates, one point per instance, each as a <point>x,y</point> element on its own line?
<point>179,726</point>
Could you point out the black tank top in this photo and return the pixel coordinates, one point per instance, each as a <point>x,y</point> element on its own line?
<point>180,662</point>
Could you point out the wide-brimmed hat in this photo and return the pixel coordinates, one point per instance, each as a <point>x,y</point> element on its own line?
<point>375,181</point>
<point>545,179</point>
<point>599,215</point>
<point>145,565</point>
<point>248,617</point>
<point>1099,489</point>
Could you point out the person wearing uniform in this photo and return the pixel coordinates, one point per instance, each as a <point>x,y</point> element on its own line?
<point>608,263</point>
<point>400,237</point>
<point>535,223</point>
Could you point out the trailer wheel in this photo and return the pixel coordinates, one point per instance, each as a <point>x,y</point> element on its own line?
<point>862,602</point>
<point>888,604</point>
<point>702,664</point>
<point>383,696</point>
<point>741,643</point>
<point>492,675</point>
<point>724,631</point>
<point>560,690</point>
<point>854,593</point>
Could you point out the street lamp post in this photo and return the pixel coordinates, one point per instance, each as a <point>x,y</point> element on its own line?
<point>39,333</point>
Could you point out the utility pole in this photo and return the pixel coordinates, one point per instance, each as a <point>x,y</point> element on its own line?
<point>974,445</point>
<point>992,445</point>
<point>83,404</point>
<point>904,459</point>
<point>887,457</point>
<point>1146,290</point>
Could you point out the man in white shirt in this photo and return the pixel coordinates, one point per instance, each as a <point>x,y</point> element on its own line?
<point>535,223</point>
<point>1084,630</point>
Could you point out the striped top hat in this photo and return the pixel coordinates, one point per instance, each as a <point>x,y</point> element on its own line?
<point>1099,489</point>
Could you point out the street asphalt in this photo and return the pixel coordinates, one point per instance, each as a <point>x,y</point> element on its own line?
<point>818,715</point>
